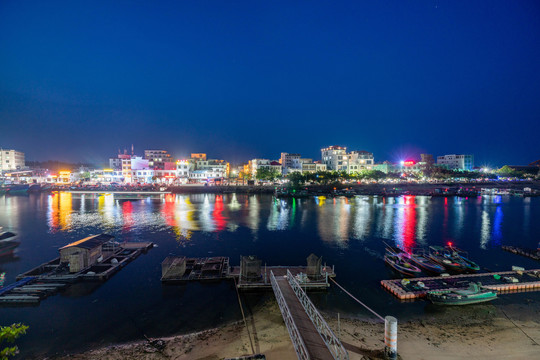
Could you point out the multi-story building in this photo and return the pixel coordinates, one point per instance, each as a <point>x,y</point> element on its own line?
<point>159,160</point>
<point>359,160</point>
<point>11,160</point>
<point>257,164</point>
<point>198,156</point>
<point>184,168</point>
<point>295,163</point>
<point>116,163</point>
<point>334,157</point>
<point>456,162</point>
<point>337,158</point>
<point>215,165</point>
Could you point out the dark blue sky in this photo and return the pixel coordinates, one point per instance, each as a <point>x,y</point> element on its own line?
<point>240,80</point>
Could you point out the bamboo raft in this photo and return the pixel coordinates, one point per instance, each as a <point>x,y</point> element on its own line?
<point>509,281</point>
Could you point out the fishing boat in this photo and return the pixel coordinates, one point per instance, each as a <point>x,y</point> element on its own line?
<point>473,295</point>
<point>442,257</point>
<point>461,256</point>
<point>425,263</point>
<point>399,263</point>
<point>418,260</point>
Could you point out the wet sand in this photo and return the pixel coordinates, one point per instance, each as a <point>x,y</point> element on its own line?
<point>478,331</point>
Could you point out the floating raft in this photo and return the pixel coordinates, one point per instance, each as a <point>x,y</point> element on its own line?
<point>51,277</point>
<point>530,253</point>
<point>508,281</point>
<point>179,269</point>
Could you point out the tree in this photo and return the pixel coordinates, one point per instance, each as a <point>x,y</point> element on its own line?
<point>267,174</point>
<point>10,334</point>
<point>296,178</point>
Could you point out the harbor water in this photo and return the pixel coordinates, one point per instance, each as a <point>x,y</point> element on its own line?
<point>347,232</point>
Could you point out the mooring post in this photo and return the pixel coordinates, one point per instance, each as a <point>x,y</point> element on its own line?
<point>390,338</point>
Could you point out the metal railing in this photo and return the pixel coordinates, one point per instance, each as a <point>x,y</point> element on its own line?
<point>298,343</point>
<point>330,339</point>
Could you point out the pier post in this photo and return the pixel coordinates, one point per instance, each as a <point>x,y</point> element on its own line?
<point>390,338</point>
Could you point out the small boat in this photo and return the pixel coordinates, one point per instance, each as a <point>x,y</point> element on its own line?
<point>401,265</point>
<point>473,295</point>
<point>426,263</point>
<point>419,260</point>
<point>461,256</point>
<point>8,243</point>
<point>441,256</point>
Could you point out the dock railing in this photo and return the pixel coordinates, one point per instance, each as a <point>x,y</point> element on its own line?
<point>330,339</point>
<point>296,339</point>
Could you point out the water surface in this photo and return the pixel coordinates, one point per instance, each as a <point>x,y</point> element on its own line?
<point>348,233</point>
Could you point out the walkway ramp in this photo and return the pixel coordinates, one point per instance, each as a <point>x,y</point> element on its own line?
<point>311,336</point>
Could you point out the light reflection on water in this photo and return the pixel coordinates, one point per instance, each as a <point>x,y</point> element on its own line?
<point>346,232</point>
<point>405,220</point>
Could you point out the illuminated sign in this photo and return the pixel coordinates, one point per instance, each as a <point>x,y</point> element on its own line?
<point>409,162</point>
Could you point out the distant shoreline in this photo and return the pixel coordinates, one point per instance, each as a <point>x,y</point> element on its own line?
<point>389,189</point>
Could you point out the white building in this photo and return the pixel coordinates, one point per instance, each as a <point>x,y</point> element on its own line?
<point>334,157</point>
<point>11,160</point>
<point>256,164</point>
<point>456,162</point>
<point>337,158</point>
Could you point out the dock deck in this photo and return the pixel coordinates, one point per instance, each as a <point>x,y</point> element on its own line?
<point>527,280</point>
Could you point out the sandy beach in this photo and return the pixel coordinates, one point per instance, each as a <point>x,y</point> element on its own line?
<point>479,332</point>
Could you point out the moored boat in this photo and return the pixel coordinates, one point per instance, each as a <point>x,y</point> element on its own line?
<point>426,264</point>
<point>8,243</point>
<point>401,265</point>
<point>441,256</point>
<point>461,256</point>
<point>473,295</point>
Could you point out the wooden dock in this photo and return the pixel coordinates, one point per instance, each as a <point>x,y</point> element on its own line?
<point>530,253</point>
<point>506,281</point>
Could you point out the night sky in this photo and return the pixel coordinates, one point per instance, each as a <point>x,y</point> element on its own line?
<point>239,80</point>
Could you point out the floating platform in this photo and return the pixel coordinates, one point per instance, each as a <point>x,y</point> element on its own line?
<point>530,253</point>
<point>181,269</point>
<point>178,269</point>
<point>507,281</point>
<point>49,278</point>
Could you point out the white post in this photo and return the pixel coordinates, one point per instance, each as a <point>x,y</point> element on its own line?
<point>390,337</point>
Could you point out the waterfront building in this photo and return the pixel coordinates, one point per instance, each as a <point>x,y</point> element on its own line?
<point>359,160</point>
<point>116,163</point>
<point>11,160</point>
<point>336,158</point>
<point>256,164</point>
<point>159,160</point>
<point>198,156</point>
<point>215,165</point>
<point>184,168</point>
<point>295,163</point>
<point>456,162</point>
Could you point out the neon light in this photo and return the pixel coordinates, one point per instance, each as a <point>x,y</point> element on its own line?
<point>409,163</point>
